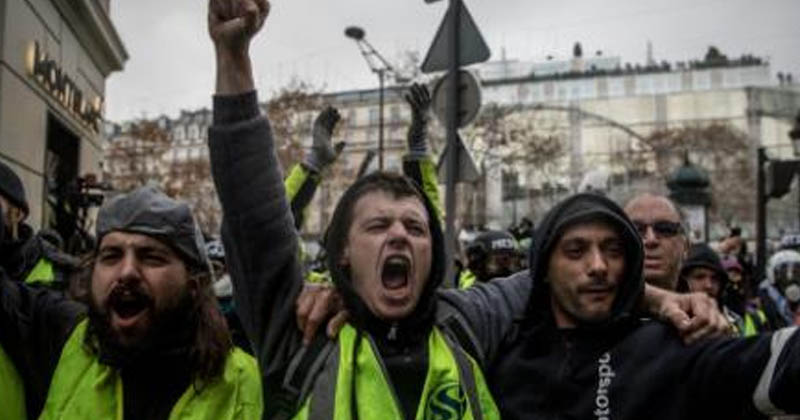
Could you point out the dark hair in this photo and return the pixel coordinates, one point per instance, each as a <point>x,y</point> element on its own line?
<point>398,186</point>
<point>210,341</point>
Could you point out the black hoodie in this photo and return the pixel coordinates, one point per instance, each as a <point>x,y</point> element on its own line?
<point>627,368</point>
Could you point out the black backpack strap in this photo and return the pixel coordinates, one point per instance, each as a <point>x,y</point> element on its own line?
<point>453,324</point>
<point>466,376</point>
<point>298,379</point>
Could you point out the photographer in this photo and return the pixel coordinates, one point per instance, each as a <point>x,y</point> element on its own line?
<point>26,256</point>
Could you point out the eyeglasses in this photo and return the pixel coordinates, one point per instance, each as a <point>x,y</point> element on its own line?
<point>661,228</point>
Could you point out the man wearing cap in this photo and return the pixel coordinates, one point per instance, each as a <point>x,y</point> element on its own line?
<point>150,341</point>
<point>25,255</point>
<point>703,272</point>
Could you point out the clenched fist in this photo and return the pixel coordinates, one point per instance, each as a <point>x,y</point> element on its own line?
<point>233,23</point>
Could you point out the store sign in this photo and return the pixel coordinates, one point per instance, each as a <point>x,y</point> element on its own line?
<point>60,86</point>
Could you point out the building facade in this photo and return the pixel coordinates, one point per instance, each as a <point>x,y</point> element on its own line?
<point>548,129</point>
<point>55,56</point>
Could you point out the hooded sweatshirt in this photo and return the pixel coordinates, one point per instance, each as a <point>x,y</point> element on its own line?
<point>626,367</point>
<point>261,242</point>
<point>701,255</point>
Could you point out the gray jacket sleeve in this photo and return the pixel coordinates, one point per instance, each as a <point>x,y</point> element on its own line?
<point>261,244</point>
<point>491,309</point>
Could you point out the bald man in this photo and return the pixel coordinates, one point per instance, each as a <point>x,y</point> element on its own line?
<point>659,222</point>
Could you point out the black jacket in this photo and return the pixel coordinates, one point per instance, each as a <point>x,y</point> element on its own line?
<point>19,257</point>
<point>629,368</point>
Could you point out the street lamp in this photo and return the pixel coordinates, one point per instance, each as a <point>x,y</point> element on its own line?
<point>379,66</point>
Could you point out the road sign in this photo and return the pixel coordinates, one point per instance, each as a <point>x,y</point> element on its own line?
<point>471,45</point>
<point>470,98</point>
<point>466,169</point>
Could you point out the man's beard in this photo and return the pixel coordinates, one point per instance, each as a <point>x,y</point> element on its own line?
<point>169,335</point>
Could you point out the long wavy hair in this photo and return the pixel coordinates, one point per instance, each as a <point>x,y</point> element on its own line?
<point>210,340</point>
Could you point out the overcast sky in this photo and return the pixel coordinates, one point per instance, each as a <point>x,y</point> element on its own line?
<point>171,64</point>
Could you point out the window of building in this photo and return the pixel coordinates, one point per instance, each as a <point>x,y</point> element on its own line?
<point>644,84</point>
<point>701,80</point>
<point>616,86</point>
<point>394,114</point>
<point>194,132</point>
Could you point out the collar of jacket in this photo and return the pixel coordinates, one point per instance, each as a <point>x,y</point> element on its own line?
<point>16,255</point>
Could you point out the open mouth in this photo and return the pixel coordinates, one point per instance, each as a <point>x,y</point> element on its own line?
<point>395,272</point>
<point>128,303</point>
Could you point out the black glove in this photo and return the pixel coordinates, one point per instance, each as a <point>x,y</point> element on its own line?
<point>322,151</point>
<point>419,98</point>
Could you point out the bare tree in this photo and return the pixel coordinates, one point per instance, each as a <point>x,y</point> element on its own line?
<point>718,148</point>
<point>133,157</point>
<point>291,113</point>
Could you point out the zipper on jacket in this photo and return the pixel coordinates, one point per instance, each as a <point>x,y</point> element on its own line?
<point>386,372</point>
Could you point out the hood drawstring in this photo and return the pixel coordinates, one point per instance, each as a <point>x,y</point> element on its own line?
<point>392,335</point>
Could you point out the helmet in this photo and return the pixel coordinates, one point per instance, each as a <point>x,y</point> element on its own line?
<point>485,250</point>
<point>790,241</point>
<point>783,272</point>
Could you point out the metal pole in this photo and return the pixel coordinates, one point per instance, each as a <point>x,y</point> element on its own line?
<point>453,105</point>
<point>761,216</point>
<point>380,121</point>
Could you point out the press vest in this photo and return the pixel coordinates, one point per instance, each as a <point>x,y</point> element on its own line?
<point>12,392</point>
<point>446,394</point>
<point>83,388</point>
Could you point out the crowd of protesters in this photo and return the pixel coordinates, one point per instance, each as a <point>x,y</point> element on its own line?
<point>602,310</point>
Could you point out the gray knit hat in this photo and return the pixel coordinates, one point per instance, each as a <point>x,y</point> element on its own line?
<point>148,211</point>
<point>11,188</point>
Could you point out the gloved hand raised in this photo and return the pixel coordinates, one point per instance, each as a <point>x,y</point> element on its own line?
<point>419,98</point>
<point>322,151</point>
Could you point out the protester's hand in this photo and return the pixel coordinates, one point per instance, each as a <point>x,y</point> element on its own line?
<point>233,23</point>
<point>419,98</point>
<point>316,303</point>
<point>323,152</point>
<point>695,316</point>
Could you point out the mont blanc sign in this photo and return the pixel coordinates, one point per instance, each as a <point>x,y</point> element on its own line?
<point>53,79</point>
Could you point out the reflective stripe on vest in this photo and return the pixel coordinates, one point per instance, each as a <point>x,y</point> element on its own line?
<point>466,279</point>
<point>42,273</point>
<point>12,392</point>
<point>445,396</point>
<point>83,388</point>
<point>751,327</point>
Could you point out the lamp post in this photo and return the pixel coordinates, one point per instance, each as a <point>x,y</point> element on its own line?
<point>689,186</point>
<point>379,66</point>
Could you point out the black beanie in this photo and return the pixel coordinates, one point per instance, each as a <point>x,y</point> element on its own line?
<point>12,189</point>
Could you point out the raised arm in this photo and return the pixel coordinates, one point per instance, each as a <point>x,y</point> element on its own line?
<point>258,229</point>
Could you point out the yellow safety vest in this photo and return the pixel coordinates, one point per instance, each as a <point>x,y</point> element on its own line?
<point>466,279</point>
<point>41,274</point>
<point>83,388</point>
<point>445,395</point>
<point>12,391</point>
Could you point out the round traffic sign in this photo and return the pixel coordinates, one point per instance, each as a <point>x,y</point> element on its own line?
<point>470,98</point>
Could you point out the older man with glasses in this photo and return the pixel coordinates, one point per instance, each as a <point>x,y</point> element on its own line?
<point>665,243</point>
